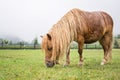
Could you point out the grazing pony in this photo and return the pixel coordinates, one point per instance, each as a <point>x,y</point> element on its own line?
<point>80,26</point>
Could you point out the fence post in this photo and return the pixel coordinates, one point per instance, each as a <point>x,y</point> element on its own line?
<point>2,43</point>
<point>86,46</point>
<point>95,46</point>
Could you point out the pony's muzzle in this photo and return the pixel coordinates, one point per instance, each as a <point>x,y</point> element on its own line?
<point>50,63</point>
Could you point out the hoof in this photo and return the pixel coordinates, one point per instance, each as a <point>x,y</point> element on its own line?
<point>103,62</point>
<point>65,65</point>
<point>80,64</point>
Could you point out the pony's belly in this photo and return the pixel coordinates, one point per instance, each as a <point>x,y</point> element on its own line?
<point>90,41</point>
<point>92,38</point>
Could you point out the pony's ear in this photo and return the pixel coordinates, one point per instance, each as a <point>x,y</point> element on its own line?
<point>41,36</point>
<point>49,36</point>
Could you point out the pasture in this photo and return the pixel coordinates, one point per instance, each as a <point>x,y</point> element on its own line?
<point>29,65</point>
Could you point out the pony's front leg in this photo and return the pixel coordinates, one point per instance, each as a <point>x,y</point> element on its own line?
<point>67,58</point>
<point>80,50</point>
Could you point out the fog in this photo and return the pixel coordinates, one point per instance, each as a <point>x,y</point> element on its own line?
<point>28,19</point>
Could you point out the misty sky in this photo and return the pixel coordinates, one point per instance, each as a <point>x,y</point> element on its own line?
<point>30,18</point>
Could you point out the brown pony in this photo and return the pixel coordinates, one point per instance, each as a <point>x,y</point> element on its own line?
<point>82,27</point>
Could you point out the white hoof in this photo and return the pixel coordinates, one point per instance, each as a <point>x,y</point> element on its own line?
<point>103,62</point>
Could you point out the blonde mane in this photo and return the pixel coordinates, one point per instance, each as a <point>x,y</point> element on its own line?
<point>65,31</point>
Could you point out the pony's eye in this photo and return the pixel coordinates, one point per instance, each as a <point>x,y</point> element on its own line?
<point>50,48</point>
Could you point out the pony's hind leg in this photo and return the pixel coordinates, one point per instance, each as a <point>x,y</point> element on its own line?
<point>106,43</point>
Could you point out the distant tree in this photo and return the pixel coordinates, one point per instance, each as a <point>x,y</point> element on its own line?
<point>21,44</point>
<point>10,42</point>
<point>118,36</point>
<point>1,42</point>
<point>35,42</point>
<point>116,44</point>
<point>6,41</point>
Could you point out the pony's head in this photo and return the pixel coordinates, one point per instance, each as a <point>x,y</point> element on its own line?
<point>47,47</point>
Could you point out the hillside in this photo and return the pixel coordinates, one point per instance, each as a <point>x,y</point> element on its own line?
<point>9,37</point>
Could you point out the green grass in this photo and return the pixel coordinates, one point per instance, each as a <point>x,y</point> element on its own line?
<point>29,65</point>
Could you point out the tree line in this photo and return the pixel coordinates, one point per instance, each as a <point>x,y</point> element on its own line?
<point>6,44</point>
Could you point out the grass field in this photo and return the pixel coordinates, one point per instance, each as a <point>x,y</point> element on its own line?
<point>29,65</point>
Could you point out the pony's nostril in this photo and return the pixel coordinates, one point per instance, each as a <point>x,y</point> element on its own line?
<point>50,64</point>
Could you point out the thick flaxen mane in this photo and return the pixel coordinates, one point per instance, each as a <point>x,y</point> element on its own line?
<point>65,31</point>
<point>80,26</point>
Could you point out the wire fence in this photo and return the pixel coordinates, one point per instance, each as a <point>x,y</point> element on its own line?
<point>22,45</point>
<point>38,46</point>
<point>18,46</point>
